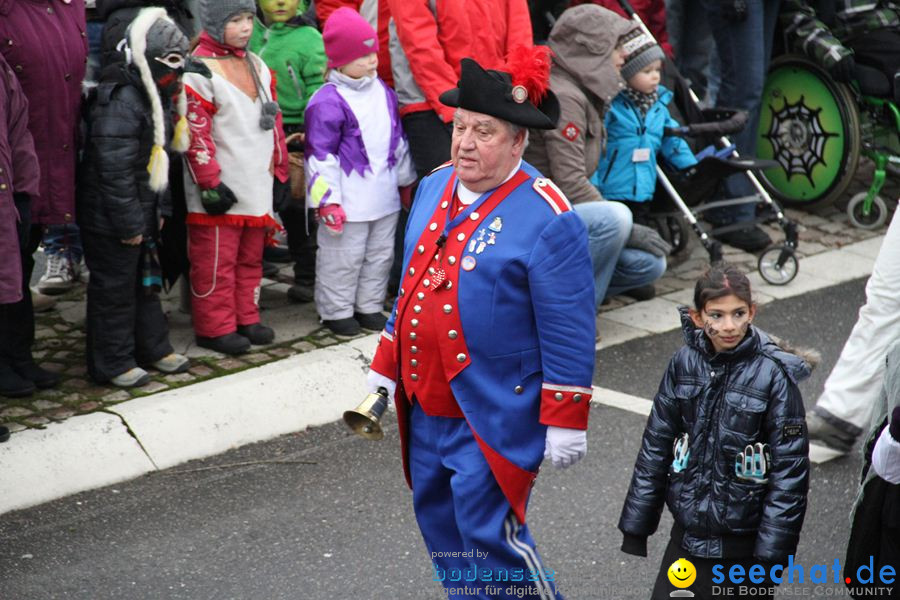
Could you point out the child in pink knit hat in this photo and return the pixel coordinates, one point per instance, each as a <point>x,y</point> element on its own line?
<point>357,161</point>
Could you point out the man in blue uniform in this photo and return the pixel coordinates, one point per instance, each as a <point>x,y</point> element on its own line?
<point>489,351</point>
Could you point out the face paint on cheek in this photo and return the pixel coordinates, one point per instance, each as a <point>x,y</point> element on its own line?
<point>744,326</point>
<point>709,329</point>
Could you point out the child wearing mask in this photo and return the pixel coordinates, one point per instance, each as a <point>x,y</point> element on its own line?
<point>356,159</point>
<point>292,47</point>
<point>123,194</point>
<point>238,166</point>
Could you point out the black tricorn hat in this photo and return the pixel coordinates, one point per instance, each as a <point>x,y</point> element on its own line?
<point>492,93</point>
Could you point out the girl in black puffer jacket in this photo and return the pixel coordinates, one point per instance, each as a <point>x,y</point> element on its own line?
<point>725,446</point>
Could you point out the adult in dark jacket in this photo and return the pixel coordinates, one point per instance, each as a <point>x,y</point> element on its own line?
<point>19,178</point>
<point>45,44</point>
<point>712,404</point>
<point>122,196</point>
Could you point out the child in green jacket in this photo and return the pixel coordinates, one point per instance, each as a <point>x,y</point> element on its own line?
<point>292,47</point>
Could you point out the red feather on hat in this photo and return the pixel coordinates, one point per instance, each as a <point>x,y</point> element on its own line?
<point>530,68</point>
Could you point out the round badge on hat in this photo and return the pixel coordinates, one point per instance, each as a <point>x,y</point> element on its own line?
<point>468,262</point>
<point>519,94</point>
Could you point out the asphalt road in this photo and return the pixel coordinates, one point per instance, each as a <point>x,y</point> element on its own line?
<point>325,515</point>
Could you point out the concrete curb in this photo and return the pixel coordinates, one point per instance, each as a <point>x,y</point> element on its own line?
<point>175,426</point>
<point>289,395</point>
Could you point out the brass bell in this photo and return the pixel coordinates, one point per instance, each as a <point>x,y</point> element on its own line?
<point>365,419</point>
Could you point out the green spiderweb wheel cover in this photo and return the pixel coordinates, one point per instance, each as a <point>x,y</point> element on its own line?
<point>809,125</point>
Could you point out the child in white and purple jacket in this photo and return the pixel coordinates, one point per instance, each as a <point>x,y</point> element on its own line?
<point>357,161</point>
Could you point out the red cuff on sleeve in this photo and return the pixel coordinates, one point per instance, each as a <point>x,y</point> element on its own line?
<point>565,405</point>
<point>385,360</point>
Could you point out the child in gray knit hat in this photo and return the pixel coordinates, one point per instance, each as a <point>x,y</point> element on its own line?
<point>237,164</point>
<point>635,126</point>
<point>215,14</point>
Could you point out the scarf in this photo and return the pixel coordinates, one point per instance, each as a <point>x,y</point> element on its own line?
<point>642,101</point>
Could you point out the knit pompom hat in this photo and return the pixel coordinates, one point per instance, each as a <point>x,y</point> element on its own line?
<point>214,15</point>
<point>640,50</point>
<point>347,36</point>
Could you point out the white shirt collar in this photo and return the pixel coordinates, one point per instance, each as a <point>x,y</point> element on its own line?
<point>467,196</point>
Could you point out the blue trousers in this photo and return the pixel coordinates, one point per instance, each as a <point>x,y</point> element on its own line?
<point>617,269</point>
<point>744,49</point>
<point>461,509</point>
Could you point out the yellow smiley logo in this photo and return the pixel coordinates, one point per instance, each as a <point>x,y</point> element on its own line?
<point>682,573</point>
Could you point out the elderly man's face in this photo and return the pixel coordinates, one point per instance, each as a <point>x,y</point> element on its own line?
<point>483,150</point>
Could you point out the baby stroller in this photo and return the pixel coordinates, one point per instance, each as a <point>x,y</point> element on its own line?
<point>691,190</point>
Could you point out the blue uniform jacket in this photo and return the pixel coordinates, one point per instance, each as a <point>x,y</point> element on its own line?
<point>619,175</point>
<point>526,316</point>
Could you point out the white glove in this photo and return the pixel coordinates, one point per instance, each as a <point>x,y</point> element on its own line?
<point>375,380</point>
<point>565,446</point>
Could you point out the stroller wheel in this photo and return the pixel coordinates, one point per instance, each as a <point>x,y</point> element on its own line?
<point>873,218</point>
<point>778,265</point>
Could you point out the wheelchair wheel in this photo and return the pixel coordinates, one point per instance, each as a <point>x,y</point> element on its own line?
<point>810,125</point>
<point>778,265</point>
<point>877,212</point>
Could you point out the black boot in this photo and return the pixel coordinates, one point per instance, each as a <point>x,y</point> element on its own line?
<point>371,321</point>
<point>300,293</point>
<point>230,343</point>
<point>42,378</point>
<point>12,385</point>
<point>752,239</point>
<point>641,294</point>
<point>258,334</point>
<point>348,326</point>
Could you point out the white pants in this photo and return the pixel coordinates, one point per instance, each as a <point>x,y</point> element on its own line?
<point>352,268</point>
<point>854,384</point>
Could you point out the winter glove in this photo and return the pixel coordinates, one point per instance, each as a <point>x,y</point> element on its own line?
<point>218,200</point>
<point>844,70</point>
<point>565,446</point>
<point>375,380</point>
<point>735,10</point>
<point>332,217</point>
<point>634,544</point>
<point>281,195</point>
<point>646,239</point>
<point>886,454</point>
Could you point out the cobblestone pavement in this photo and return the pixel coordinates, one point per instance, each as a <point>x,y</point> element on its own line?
<point>59,345</point>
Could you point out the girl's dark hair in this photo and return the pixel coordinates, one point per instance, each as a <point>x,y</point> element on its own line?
<point>720,280</point>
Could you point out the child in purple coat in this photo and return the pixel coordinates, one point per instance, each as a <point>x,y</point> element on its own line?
<point>357,158</point>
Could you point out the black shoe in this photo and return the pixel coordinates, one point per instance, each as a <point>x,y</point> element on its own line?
<point>4,434</point>
<point>258,334</point>
<point>42,378</point>
<point>269,269</point>
<point>645,292</point>
<point>348,326</point>
<point>12,385</point>
<point>230,343</point>
<point>371,321</point>
<point>276,254</point>
<point>300,293</point>
<point>821,430</point>
<point>752,239</point>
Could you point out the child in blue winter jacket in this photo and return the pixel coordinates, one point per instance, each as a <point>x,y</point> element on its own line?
<point>635,125</point>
